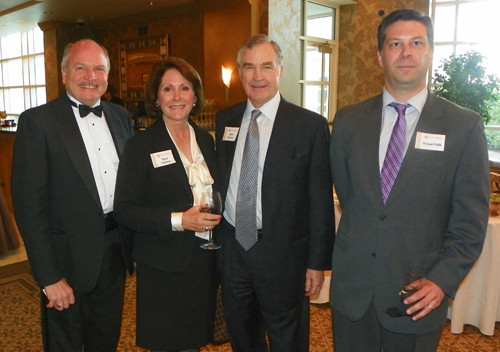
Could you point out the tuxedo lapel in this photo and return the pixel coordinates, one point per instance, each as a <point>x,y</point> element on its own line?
<point>115,128</point>
<point>72,139</point>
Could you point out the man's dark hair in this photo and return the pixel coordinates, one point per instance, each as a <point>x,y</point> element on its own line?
<point>405,15</point>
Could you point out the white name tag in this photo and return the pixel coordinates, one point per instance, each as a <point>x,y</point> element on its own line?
<point>429,141</point>
<point>230,134</point>
<point>162,158</point>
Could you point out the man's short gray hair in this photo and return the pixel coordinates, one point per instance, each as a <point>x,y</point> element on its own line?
<point>257,40</point>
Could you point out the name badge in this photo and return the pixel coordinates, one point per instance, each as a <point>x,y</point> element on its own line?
<point>162,158</point>
<point>429,141</point>
<point>230,134</point>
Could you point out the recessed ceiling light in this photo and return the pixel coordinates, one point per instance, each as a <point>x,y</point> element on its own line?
<point>19,21</point>
<point>151,3</point>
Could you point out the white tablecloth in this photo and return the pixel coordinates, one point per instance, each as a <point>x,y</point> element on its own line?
<point>477,301</point>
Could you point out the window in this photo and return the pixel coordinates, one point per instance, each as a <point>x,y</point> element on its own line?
<point>319,45</point>
<point>461,25</point>
<point>22,72</point>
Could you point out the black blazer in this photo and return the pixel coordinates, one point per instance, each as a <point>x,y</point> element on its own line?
<point>297,199</point>
<point>56,201</point>
<point>434,219</point>
<point>146,197</point>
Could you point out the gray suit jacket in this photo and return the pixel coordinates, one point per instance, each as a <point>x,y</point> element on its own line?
<point>56,201</point>
<point>434,219</point>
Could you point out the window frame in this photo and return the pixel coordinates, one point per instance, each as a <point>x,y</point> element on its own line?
<point>330,93</point>
<point>32,82</point>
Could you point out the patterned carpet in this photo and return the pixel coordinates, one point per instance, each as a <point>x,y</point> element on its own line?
<point>20,324</point>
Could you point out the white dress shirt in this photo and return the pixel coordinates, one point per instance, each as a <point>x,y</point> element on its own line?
<point>102,154</point>
<point>266,123</point>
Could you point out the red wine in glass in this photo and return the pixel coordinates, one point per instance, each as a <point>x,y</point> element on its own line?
<point>212,204</point>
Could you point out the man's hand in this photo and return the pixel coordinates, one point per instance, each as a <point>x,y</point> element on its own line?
<point>428,297</point>
<point>314,281</point>
<point>60,295</point>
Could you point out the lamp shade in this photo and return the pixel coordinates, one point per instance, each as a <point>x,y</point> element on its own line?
<point>226,76</point>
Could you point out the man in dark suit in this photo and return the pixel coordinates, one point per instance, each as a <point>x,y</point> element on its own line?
<point>66,156</point>
<point>273,259</point>
<point>428,212</point>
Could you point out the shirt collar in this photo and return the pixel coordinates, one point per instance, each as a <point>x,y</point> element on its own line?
<point>417,101</point>
<point>76,101</point>
<point>269,109</point>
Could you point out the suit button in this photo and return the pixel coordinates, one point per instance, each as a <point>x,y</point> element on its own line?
<point>383,217</point>
<point>374,255</point>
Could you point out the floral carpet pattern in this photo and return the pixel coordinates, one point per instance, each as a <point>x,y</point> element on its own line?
<point>20,324</point>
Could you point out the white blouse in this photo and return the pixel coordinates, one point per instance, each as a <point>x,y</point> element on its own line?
<point>199,178</point>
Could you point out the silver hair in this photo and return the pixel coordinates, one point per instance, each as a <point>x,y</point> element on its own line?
<point>257,40</point>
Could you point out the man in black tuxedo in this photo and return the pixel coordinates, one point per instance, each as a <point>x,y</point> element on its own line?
<point>428,214</point>
<point>273,259</point>
<point>66,156</point>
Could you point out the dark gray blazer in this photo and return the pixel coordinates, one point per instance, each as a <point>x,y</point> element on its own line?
<point>146,196</point>
<point>434,220</point>
<point>56,201</point>
<point>297,200</point>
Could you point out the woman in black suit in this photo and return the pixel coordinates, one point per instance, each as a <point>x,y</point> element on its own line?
<point>162,174</point>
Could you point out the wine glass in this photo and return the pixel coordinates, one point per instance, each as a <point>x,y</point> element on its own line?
<point>213,205</point>
<point>409,277</point>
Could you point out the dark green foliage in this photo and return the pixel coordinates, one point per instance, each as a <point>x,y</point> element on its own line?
<point>464,81</point>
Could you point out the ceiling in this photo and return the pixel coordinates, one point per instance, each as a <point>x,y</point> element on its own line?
<point>20,15</point>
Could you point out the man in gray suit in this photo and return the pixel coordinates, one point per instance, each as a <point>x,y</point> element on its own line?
<point>413,184</point>
<point>65,161</point>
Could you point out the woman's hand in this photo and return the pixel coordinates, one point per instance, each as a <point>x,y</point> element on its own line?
<point>195,220</point>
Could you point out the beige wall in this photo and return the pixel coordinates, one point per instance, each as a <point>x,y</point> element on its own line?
<point>360,76</point>
<point>284,28</point>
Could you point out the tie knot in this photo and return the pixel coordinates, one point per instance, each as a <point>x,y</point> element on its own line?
<point>255,114</point>
<point>400,108</point>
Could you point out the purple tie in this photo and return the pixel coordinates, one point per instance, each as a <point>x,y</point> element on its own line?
<point>395,151</point>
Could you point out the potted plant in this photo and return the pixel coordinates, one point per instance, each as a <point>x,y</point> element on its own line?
<point>464,81</point>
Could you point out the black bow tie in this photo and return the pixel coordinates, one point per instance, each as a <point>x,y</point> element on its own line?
<point>85,110</point>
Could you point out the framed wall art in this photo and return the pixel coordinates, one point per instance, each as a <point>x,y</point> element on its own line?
<point>137,57</point>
